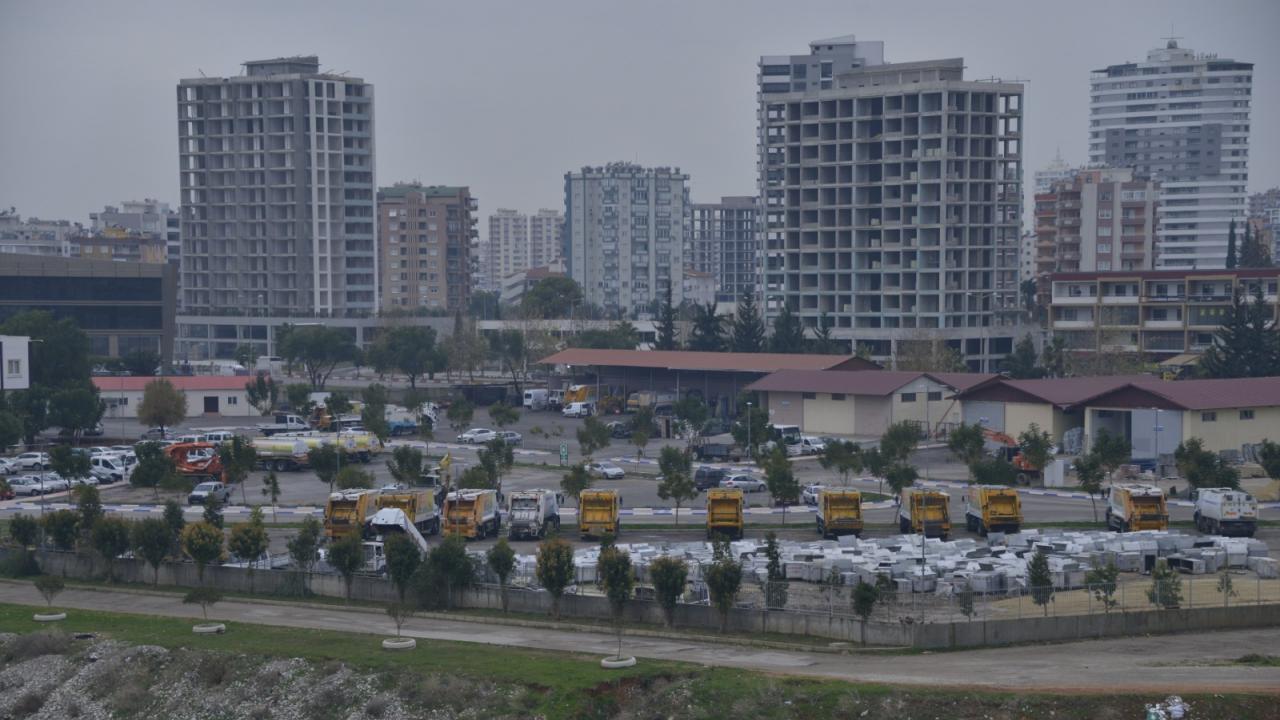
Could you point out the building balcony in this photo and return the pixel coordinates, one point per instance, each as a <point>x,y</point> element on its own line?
<point>1074,300</point>
<point>1162,324</point>
<point>1164,298</point>
<point>1073,325</point>
<point>1119,300</point>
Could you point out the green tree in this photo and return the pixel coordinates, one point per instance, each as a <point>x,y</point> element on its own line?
<point>459,414</point>
<point>162,404</point>
<point>298,395</point>
<point>1203,468</point>
<point>319,349</point>
<point>723,578</point>
<point>555,570</point>
<point>1040,580</point>
<point>59,362</point>
<point>780,478</point>
<point>205,597</point>
<point>353,478</point>
<point>788,332</point>
<point>411,350</point>
<point>246,356</point>
<point>89,505</point>
<point>11,430</point>
<point>405,465</point>
<point>641,429</point>
<point>666,323</point>
<point>263,393</point>
<point>503,415</point>
<point>968,444</point>
<point>212,511</point>
<point>823,343</point>
<point>1089,474</point>
<point>707,334</point>
<point>62,527</point>
<point>502,561</point>
<point>510,350</point>
<point>1254,253</point>
<point>49,587</point>
<point>1111,451</point>
<point>751,429</point>
<point>402,561</point>
<point>110,538</point>
<point>202,542</point>
<point>1247,344</point>
<point>496,459</point>
<point>1231,245</point>
<point>1269,458</point>
<point>1022,363</point>
<point>691,412</point>
<point>842,456</point>
<point>899,441</point>
<point>325,461</point>
<point>346,555</point>
<point>152,539</point>
<point>67,463</point>
<point>24,530</point>
<point>575,481</point>
<point>993,471</point>
<point>304,548</point>
<point>1054,357</point>
<point>1101,581</point>
<point>77,408</point>
<point>249,542</point>
<point>677,478</point>
<point>154,469</point>
<point>176,522</point>
<point>618,581</point>
<point>1166,586</point>
<point>238,459</point>
<point>449,566</point>
<point>374,420</point>
<point>271,491</point>
<point>747,329</point>
<point>1036,446</point>
<point>865,597</point>
<point>593,436</point>
<point>775,587</point>
<point>669,575</point>
<point>1226,586</point>
<point>552,297</point>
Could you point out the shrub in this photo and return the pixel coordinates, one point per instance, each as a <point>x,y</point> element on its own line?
<point>25,647</point>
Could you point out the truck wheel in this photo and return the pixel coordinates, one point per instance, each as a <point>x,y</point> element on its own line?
<point>279,466</point>
<point>904,526</point>
<point>983,530</point>
<point>821,530</point>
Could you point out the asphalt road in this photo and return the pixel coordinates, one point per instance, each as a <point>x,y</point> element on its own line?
<point>1164,664</point>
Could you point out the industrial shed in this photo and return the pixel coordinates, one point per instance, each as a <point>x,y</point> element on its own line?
<point>864,404</point>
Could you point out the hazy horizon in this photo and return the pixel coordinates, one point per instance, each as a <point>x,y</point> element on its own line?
<point>507,97</point>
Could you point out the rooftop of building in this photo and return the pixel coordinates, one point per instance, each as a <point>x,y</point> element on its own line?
<point>1137,391</point>
<point>400,190</point>
<point>706,361</point>
<point>180,382</point>
<point>880,382</point>
<point>1164,274</point>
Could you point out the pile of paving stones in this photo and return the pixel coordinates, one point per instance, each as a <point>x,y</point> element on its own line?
<point>997,565</point>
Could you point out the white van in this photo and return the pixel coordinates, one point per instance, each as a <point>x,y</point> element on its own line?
<point>536,398</point>
<point>579,410</point>
<point>218,436</point>
<point>107,468</point>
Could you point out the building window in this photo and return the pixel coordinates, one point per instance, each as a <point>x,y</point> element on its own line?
<point>1208,417</point>
<point>907,397</point>
<point>1246,414</point>
<point>14,367</point>
<point>837,396</point>
<point>935,396</point>
<point>809,396</point>
<point>233,400</point>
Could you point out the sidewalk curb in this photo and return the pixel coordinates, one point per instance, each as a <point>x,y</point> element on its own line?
<point>851,648</point>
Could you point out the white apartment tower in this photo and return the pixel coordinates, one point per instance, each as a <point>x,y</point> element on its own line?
<point>518,242</point>
<point>891,199</point>
<point>276,172</point>
<point>546,244</point>
<point>1183,119</point>
<point>625,229</point>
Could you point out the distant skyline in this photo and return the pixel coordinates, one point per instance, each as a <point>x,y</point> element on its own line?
<point>506,97</point>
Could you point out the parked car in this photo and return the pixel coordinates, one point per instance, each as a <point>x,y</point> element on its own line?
<point>477,436</point>
<point>53,482</point>
<point>811,445</point>
<point>511,437</point>
<point>705,478</point>
<point>809,495</point>
<point>619,430</point>
<point>126,453</point>
<point>28,485</point>
<point>606,470</point>
<point>78,481</point>
<point>220,492</point>
<point>6,492</point>
<point>32,461</point>
<point>96,431</point>
<point>745,483</point>
<point>7,466</point>
<point>156,433</point>
<point>108,468</point>
<point>579,410</point>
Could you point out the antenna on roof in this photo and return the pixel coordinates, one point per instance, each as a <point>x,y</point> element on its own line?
<point>201,73</point>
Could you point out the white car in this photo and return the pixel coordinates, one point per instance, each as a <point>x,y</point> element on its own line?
<point>126,453</point>
<point>811,445</point>
<point>27,485</point>
<point>745,483</point>
<point>32,461</point>
<point>100,450</point>
<point>809,495</point>
<point>88,480</point>
<point>606,470</point>
<point>7,466</point>
<point>53,482</point>
<point>478,436</point>
<point>108,468</point>
<point>578,410</point>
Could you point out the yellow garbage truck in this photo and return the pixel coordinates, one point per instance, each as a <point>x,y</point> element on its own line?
<point>924,511</point>
<point>1136,506</point>
<point>347,510</point>
<point>598,512</point>
<point>724,513</point>
<point>989,508</point>
<point>839,513</point>
<point>473,514</point>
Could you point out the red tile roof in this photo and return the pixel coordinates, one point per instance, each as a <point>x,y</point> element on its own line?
<point>1212,394</point>
<point>181,382</point>
<point>881,382</point>
<point>715,361</point>
<point>1094,391</point>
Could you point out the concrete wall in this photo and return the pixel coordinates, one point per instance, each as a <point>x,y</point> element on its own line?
<point>785,408</point>
<point>824,415</point>
<point>231,403</point>
<point>704,618</point>
<point>1228,431</point>
<point>922,410</point>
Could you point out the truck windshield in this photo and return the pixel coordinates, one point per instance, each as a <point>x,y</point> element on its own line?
<point>524,504</point>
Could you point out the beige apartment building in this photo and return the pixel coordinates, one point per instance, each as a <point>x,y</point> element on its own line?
<point>1096,221</point>
<point>424,245</point>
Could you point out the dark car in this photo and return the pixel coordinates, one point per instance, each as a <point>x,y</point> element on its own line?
<point>619,430</point>
<point>707,477</point>
<point>718,452</point>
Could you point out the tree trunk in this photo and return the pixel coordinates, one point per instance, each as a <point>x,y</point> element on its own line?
<point>503,589</point>
<point>555,606</point>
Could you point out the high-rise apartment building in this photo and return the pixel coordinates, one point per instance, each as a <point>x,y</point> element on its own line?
<point>891,195</point>
<point>518,242</point>
<point>276,168</point>
<point>1183,119</point>
<point>425,235</point>
<point>1097,221</point>
<point>624,234</point>
<point>1055,172</point>
<point>726,246</point>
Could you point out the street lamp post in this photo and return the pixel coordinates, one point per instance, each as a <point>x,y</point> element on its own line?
<point>748,426</point>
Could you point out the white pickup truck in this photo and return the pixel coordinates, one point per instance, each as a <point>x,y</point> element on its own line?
<point>283,423</point>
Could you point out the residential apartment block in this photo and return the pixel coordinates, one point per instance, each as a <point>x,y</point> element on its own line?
<point>518,242</point>
<point>276,172</point>
<point>150,217</point>
<point>1161,312</point>
<point>625,234</point>
<point>34,236</point>
<point>120,245</point>
<point>1097,220</point>
<point>425,234</point>
<point>1181,118</point>
<point>891,196</point>
<point>725,244</point>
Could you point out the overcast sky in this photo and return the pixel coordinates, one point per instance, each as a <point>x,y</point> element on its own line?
<point>508,96</point>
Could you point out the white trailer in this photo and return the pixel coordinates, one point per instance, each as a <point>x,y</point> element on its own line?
<point>1225,511</point>
<point>533,513</point>
<point>382,525</point>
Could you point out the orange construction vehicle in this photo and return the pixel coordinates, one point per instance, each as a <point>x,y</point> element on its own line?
<point>198,461</point>
<point>1011,450</point>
